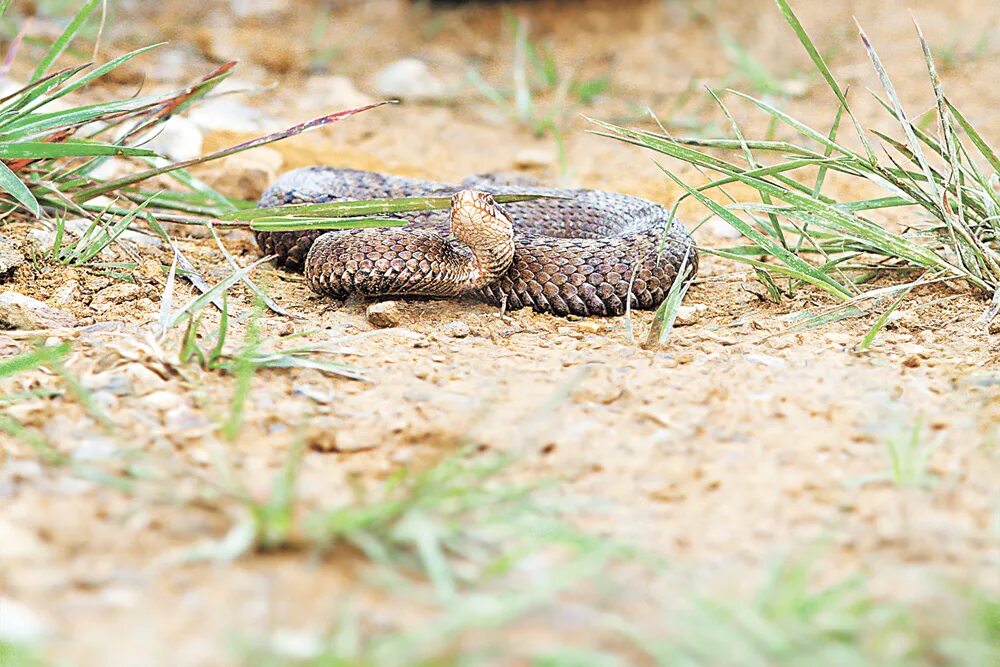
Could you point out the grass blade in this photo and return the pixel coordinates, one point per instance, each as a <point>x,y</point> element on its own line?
<point>65,38</point>
<point>11,184</point>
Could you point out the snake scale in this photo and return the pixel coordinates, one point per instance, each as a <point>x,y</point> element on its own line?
<point>580,254</point>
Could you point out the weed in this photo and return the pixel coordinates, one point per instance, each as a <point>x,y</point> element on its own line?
<point>535,74</point>
<point>837,246</point>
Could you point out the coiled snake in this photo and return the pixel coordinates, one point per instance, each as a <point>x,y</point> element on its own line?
<point>581,254</point>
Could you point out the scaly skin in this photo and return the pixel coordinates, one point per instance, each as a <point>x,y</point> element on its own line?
<point>576,255</point>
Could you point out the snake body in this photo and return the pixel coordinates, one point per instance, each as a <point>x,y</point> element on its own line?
<point>581,254</point>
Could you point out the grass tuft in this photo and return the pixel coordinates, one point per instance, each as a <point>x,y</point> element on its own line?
<point>800,236</point>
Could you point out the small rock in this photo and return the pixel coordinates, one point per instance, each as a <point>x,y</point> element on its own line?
<point>42,239</point>
<point>318,395</point>
<point>180,139</point>
<point>688,315</point>
<point>721,229</point>
<point>10,256</point>
<point>530,158</point>
<point>247,175</point>
<point>161,400</point>
<point>94,449</point>
<point>19,543</point>
<point>66,294</point>
<point>23,312</point>
<point>326,435</point>
<point>223,113</point>
<point>143,379</point>
<point>766,360</point>
<point>589,326</point>
<point>408,79</point>
<point>20,625</point>
<point>115,294</point>
<point>255,9</point>
<point>384,314</point>
<point>183,419</point>
<point>334,92</point>
<point>457,329</point>
<point>118,384</point>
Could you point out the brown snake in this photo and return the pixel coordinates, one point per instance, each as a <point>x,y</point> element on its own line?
<point>583,254</point>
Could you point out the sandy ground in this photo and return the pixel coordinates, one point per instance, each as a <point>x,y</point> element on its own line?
<point>737,442</point>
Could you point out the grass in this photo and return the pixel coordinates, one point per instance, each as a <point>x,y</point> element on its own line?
<point>800,236</point>
<point>795,619</point>
<point>541,97</point>
<point>909,457</point>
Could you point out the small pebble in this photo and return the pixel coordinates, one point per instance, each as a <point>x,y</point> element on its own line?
<point>144,381</point>
<point>23,312</point>
<point>67,293</point>
<point>456,329</point>
<point>408,79</point>
<point>534,158</point>
<point>688,315</point>
<point>384,314</point>
<point>180,139</point>
<point>10,256</point>
<point>115,294</point>
<point>334,92</point>
<point>161,400</point>
<point>20,625</point>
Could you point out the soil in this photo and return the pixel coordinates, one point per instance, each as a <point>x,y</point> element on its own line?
<point>738,441</point>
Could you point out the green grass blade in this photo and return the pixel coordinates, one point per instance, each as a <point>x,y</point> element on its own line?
<point>41,150</point>
<point>293,224</point>
<point>824,70</point>
<point>10,183</point>
<point>37,358</point>
<point>97,73</point>
<point>984,148</point>
<point>132,179</point>
<point>869,338</point>
<point>666,314</point>
<point>60,45</point>
<point>201,301</point>
<point>897,107</point>
<point>800,266</point>
<point>360,208</point>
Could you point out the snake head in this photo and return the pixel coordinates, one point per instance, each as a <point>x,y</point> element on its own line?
<point>477,220</point>
<point>480,223</point>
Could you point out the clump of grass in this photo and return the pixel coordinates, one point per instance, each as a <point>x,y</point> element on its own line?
<point>800,236</point>
<point>454,521</point>
<point>541,97</point>
<point>909,458</point>
<point>795,620</point>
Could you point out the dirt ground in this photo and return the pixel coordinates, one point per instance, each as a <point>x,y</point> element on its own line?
<point>736,443</point>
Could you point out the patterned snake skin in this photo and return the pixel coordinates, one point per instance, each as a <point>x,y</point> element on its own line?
<point>576,255</point>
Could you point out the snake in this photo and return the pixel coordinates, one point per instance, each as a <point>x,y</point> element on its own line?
<point>571,252</point>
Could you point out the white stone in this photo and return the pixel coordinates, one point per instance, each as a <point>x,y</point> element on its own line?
<point>689,314</point>
<point>10,256</point>
<point>534,158</point>
<point>721,229</point>
<point>384,314</point>
<point>19,543</point>
<point>409,79</point>
<point>161,400</point>
<point>178,139</point>
<point>251,9</point>
<point>20,625</point>
<point>24,312</point>
<point>456,329</point>
<point>334,92</point>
